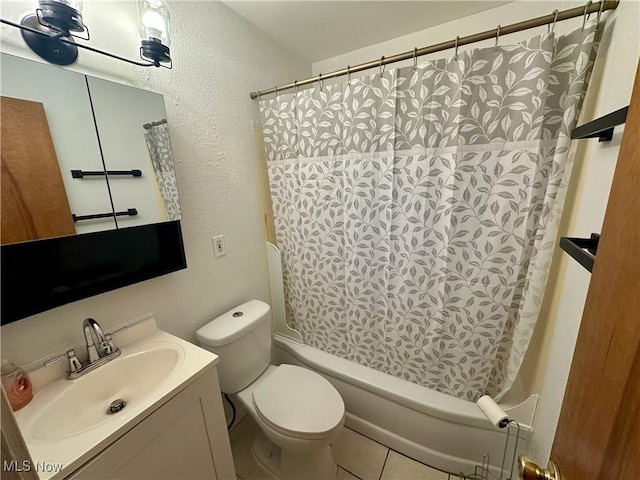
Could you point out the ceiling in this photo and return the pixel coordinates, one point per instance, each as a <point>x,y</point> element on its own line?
<point>317,30</point>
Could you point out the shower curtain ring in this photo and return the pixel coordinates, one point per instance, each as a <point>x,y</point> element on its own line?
<point>455,55</point>
<point>497,37</point>
<point>295,85</point>
<point>349,75</point>
<point>552,28</point>
<point>415,58</point>
<point>275,89</point>
<point>320,81</point>
<point>381,66</point>
<point>584,16</point>
<point>600,10</point>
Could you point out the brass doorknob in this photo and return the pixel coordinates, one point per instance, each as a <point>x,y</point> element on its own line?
<point>528,470</point>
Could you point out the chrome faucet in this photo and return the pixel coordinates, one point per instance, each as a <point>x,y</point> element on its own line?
<point>92,329</point>
<point>100,350</point>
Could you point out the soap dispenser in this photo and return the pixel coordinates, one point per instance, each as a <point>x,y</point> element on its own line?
<point>16,384</point>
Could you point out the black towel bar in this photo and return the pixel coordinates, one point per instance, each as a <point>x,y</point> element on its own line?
<point>582,249</point>
<point>131,212</point>
<point>101,173</point>
<point>601,127</point>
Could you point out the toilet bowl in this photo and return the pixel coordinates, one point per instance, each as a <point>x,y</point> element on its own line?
<point>300,415</point>
<point>298,411</point>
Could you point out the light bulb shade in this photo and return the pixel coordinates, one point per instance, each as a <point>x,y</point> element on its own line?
<point>154,21</point>
<point>62,14</point>
<point>75,4</point>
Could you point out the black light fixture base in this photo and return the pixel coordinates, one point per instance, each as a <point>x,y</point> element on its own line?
<point>61,16</point>
<point>51,49</point>
<point>154,51</point>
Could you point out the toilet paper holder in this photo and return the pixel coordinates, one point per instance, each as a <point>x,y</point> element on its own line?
<point>498,417</point>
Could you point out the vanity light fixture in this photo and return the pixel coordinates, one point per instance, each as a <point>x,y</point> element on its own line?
<point>54,20</point>
<point>153,19</point>
<point>50,32</point>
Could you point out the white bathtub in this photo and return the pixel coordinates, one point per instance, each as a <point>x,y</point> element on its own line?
<point>445,432</point>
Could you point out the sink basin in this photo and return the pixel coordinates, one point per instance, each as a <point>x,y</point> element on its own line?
<point>66,424</point>
<point>67,408</point>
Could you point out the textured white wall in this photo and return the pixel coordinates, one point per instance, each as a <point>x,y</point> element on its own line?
<point>548,361</point>
<point>218,59</point>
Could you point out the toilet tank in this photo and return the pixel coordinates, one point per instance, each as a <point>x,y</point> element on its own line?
<point>241,338</point>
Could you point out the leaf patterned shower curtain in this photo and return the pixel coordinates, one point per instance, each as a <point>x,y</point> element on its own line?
<point>159,146</point>
<point>416,210</point>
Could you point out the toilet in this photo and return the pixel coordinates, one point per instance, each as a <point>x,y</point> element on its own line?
<point>299,412</point>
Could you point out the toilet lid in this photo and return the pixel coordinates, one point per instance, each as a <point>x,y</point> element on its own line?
<point>298,401</point>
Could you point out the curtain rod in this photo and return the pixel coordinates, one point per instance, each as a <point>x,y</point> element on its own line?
<point>554,17</point>
<point>147,126</point>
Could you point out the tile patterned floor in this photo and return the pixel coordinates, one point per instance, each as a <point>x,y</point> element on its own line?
<point>358,458</point>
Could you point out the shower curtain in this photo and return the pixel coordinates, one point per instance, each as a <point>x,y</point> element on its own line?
<point>416,209</point>
<point>159,146</point>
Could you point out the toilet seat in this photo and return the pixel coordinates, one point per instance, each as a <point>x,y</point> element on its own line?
<point>299,403</point>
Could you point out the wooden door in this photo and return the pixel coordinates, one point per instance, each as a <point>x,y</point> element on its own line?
<point>34,201</point>
<point>598,434</point>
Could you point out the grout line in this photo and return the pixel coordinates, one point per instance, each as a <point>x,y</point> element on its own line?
<point>349,472</point>
<point>451,476</point>
<point>374,441</point>
<point>368,438</point>
<point>385,463</point>
<point>455,476</point>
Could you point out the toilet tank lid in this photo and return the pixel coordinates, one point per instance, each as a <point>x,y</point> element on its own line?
<point>233,324</point>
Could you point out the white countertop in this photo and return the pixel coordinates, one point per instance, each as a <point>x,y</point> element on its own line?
<point>58,458</point>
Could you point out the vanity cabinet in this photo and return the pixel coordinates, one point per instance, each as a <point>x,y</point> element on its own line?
<point>184,438</point>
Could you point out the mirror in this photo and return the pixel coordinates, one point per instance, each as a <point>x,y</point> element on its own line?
<point>64,99</point>
<point>94,131</point>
